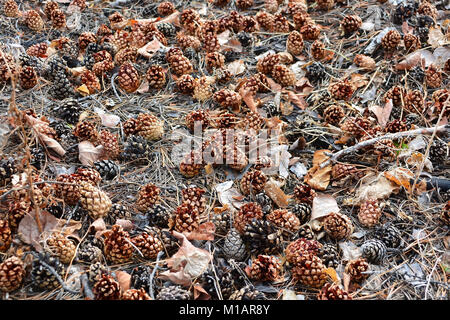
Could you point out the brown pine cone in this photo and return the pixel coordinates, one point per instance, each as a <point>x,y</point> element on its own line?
<point>364,62</point>
<point>283,75</point>
<point>433,77</point>
<point>303,193</point>
<point>412,42</point>
<point>126,54</point>
<point>252,121</point>
<point>332,291</point>
<point>38,50</point>
<point>16,212</point>
<point>253,182</point>
<point>194,197</point>
<point>325,4</point>
<point>5,235</point>
<point>49,8</point>
<point>81,4</point>
<point>147,197</point>
<point>198,118</point>
<point>110,143</point>
<point>343,170</point>
<point>190,20</point>
<point>58,19</point>
<point>351,23</point>
<point>300,247</point>
<point>11,9</point>
<point>244,4</point>
<point>86,130</point>
<point>106,288</point>
<point>369,213</point>
<point>128,77</point>
<point>7,67</point>
<point>234,21</point>
<point>214,60</point>
<point>166,8</point>
<point>85,38</point>
<point>265,65</point>
<point>249,24</point>
<point>69,192</point>
<point>131,126</point>
<point>117,247</point>
<point>396,125</point>
<point>427,9</point>
<point>294,43</point>
<point>186,84</point>
<point>414,101</point>
<point>385,148</point>
<point>440,100</point>
<point>391,40</point>
<point>447,67</point>
<point>156,77</point>
<point>396,94</point>
<point>12,273</point>
<point>355,269</point>
<point>186,41</point>
<point>89,175</point>
<point>91,81</point>
<point>309,270</point>
<point>62,247</point>
<point>186,218</point>
<point>226,120</point>
<point>318,50</point>
<point>191,165</point>
<point>27,77</point>
<point>116,19</point>
<point>94,201</point>
<point>285,220</point>
<point>310,31</point>
<point>235,158</point>
<point>149,245</point>
<point>333,114</point>
<point>265,268</point>
<point>149,127</point>
<point>136,294</point>
<point>338,226</point>
<point>180,65</point>
<point>300,19</point>
<point>34,20</point>
<point>341,90</point>
<point>228,99</point>
<point>265,20</point>
<point>246,214</point>
<point>211,43</point>
<point>280,24</point>
<point>356,126</point>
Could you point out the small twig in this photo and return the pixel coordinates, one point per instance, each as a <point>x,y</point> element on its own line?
<point>60,280</point>
<point>369,142</point>
<point>114,86</point>
<point>158,257</point>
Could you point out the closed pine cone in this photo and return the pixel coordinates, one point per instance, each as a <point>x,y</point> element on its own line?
<point>283,75</point>
<point>246,214</point>
<point>156,77</point>
<point>186,84</point>
<point>150,127</point>
<point>126,54</point>
<point>228,99</point>
<point>414,101</point>
<point>147,197</point>
<point>68,190</point>
<point>191,165</point>
<point>49,8</point>
<point>338,226</point>
<point>197,118</point>
<point>309,270</point>
<point>351,23</point>
<point>318,50</point>
<point>266,20</point>
<point>111,148</point>
<point>86,130</point>
<point>303,193</point>
<point>95,201</point>
<point>186,218</point>
<point>149,245</point>
<point>135,294</point>
<point>265,65</point>
<point>333,114</point>
<point>214,60</point>
<point>27,77</point>
<point>356,126</point>
<point>265,268</point>
<point>180,65</point>
<point>61,247</point>
<point>166,8</point>
<point>128,77</point>
<point>12,273</point>
<point>412,42</point>
<point>203,89</point>
<point>341,90</point>
<point>11,9</point>
<point>369,213</point>
<point>117,248</point>
<point>253,182</point>
<point>38,50</point>
<point>5,235</point>
<point>296,249</point>
<point>294,43</point>
<point>310,31</point>
<point>85,38</point>
<point>34,20</point>
<point>58,19</point>
<point>396,94</point>
<point>285,220</point>
<point>91,81</point>
<point>433,77</point>
<point>391,40</point>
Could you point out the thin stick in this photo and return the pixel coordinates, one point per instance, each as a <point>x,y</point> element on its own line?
<point>369,142</point>
<point>160,254</point>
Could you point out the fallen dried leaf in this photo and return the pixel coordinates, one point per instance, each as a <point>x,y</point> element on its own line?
<point>319,178</point>
<point>149,49</point>
<point>205,231</point>
<point>28,230</point>
<point>200,293</point>
<point>108,120</point>
<point>88,153</point>
<point>382,113</point>
<point>276,194</point>
<point>374,187</point>
<point>297,99</point>
<point>323,205</point>
<point>124,280</point>
<point>400,176</point>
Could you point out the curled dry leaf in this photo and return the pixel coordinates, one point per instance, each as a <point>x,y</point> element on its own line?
<point>406,28</point>
<point>205,231</point>
<point>303,86</point>
<point>200,293</point>
<point>228,196</point>
<point>188,263</point>
<point>276,194</point>
<point>323,205</point>
<point>51,144</point>
<point>125,224</point>
<point>358,80</point>
<point>400,176</point>
<point>108,120</point>
<point>319,178</point>
<point>236,67</point>
<point>149,49</point>
<point>436,38</point>
<point>374,187</point>
<point>88,153</point>
<point>172,18</point>
<point>382,113</point>
<point>410,61</point>
<point>297,99</point>
<point>124,280</point>
<point>248,98</point>
<point>83,90</point>
<point>28,230</point>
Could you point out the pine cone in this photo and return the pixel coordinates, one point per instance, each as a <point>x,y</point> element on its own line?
<point>309,270</point>
<point>94,201</point>
<point>369,213</point>
<point>389,235</point>
<point>193,196</point>
<point>96,270</point>
<point>265,268</point>
<point>61,247</point>
<point>283,75</point>
<point>285,220</point>
<point>253,182</point>
<point>156,77</point>
<point>203,89</point>
<point>341,90</point>
<point>214,60</point>
<point>68,190</point>
<point>351,23</point>
<point>244,4</point>
<point>85,38</point>
<point>27,77</point>
<point>11,9</point>
<point>396,125</point>
<point>185,84</point>
<point>186,218</point>
<point>302,211</point>
<point>300,247</point>
<point>42,277</point>
<point>34,20</point>
<point>247,293</point>
<point>7,67</point>
<point>87,252</point>
<point>136,147</point>
<point>445,213</point>
<point>135,294</point>
<point>149,245</point>
<point>86,130</point>
<point>329,254</point>
<point>364,62</point>
<point>356,126</point>
<point>108,169</point>
<point>343,171</point>
<point>374,251</point>
<point>325,4</point>
<point>197,118</point>
<point>49,8</point>
<point>147,197</point>
<point>412,42</point>
<point>38,50</point>
<point>81,4</point>
<point>355,269</point>
<point>333,114</point>
<point>427,9</point>
<point>338,226</point>
<point>303,193</point>
<point>5,235</point>
<point>128,78</point>
<point>318,50</point>
<point>159,216</point>
<point>117,247</point>
<point>262,236</point>
<point>439,98</point>
<point>173,293</point>
<point>106,288</point>
<point>247,213</point>
<point>191,165</point>
<point>438,151</point>
<point>58,19</point>
<point>397,94</point>
<point>12,273</point>
<point>166,8</point>
<point>310,31</point>
<point>300,19</point>
<point>91,81</point>
<point>414,101</point>
<point>180,65</point>
<point>294,43</point>
<point>266,64</point>
<point>150,127</point>
<point>280,24</point>
<point>233,246</point>
<point>332,291</point>
<point>228,99</point>
<point>433,77</point>
<point>61,88</point>
<point>391,40</point>
<point>265,20</point>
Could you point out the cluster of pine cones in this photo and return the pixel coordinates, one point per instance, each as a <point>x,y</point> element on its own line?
<point>261,240</point>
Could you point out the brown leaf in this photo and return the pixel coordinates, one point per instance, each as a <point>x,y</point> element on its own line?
<point>406,28</point>
<point>303,86</point>
<point>248,98</point>
<point>124,280</point>
<point>410,61</point>
<point>149,49</point>
<point>374,188</point>
<point>358,80</point>
<point>273,85</point>
<point>200,293</point>
<point>297,99</point>
<point>276,194</point>
<point>332,274</point>
<point>381,113</point>
<point>70,227</point>
<point>205,231</point>
<point>108,120</point>
<point>364,62</point>
<point>83,90</point>
<point>400,176</point>
<point>323,205</point>
<point>88,153</point>
<point>28,229</point>
<point>125,224</point>
<point>319,178</point>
